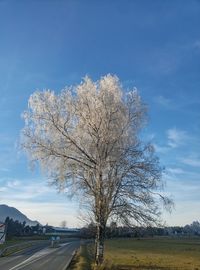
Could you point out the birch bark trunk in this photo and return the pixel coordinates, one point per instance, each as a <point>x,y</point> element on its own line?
<point>100,237</point>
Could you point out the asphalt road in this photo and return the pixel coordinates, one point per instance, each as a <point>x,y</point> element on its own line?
<point>41,257</point>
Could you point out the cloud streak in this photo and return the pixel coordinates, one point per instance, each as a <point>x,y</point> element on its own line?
<point>163,101</point>
<point>176,137</point>
<point>29,190</point>
<point>194,162</point>
<point>39,201</point>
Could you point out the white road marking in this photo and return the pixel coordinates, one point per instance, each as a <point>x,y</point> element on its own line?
<point>67,264</point>
<point>35,257</point>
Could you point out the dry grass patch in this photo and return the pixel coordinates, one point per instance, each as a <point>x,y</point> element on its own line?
<point>154,253</point>
<point>82,260</point>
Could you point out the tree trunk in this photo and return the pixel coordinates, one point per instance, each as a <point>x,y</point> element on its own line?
<point>99,245</point>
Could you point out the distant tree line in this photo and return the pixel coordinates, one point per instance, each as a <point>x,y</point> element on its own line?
<point>17,228</point>
<point>113,231</point>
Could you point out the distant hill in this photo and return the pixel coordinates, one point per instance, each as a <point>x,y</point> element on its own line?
<point>7,211</point>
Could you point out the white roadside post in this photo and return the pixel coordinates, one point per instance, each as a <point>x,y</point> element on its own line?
<point>53,241</point>
<point>2,236</point>
<point>2,233</point>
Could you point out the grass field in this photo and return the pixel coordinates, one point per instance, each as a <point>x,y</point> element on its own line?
<point>152,253</point>
<point>155,253</point>
<point>19,243</point>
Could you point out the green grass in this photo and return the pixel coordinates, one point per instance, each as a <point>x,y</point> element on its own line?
<point>13,246</point>
<point>15,249</point>
<point>19,243</point>
<point>10,243</point>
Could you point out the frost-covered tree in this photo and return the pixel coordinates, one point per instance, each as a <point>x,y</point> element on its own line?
<point>87,140</point>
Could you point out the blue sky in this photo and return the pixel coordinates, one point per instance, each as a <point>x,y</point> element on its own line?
<point>152,45</point>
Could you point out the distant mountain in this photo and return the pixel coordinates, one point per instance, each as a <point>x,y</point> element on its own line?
<point>7,211</point>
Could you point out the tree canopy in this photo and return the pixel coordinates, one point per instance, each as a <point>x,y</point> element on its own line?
<point>87,140</point>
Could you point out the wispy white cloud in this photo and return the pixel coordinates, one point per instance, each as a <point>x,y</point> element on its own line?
<point>49,212</point>
<point>176,137</point>
<point>3,189</point>
<point>166,60</point>
<point>180,104</point>
<point>38,201</point>
<point>175,171</point>
<point>185,195</point>
<point>149,137</point>
<point>163,101</point>
<point>184,213</point>
<point>195,162</point>
<point>13,184</point>
<point>26,190</point>
<point>184,186</point>
<point>171,57</point>
<point>161,149</point>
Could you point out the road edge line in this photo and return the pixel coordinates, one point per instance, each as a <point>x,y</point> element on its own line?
<point>68,263</point>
